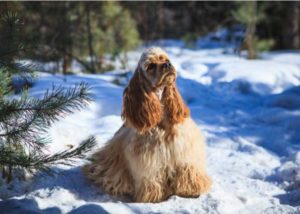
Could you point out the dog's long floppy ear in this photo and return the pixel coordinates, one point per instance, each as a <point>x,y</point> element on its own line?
<point>175,109</point>
<point>141,109</point>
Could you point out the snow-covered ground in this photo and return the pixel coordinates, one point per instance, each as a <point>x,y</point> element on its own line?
<point>248,110</point>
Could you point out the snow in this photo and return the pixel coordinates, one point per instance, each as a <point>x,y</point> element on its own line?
<point>223,37</point>
<point>291,57</point>
<point>249,112</point>
<point>265,76</point>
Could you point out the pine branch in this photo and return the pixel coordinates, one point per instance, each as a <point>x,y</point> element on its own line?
<point>40,161</point>
<point>67,157</point>
<point>11,45</point>
<point>22,69</point>
<point>22,121</point>
<point>4,84</point>
<point>37,115</point>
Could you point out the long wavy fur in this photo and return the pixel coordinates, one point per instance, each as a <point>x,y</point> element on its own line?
<point>159,151</point>
<point>175,109</point>
<point>141,108</point>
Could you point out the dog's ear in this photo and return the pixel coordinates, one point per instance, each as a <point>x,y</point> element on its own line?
<point>175,109</point>
<point>141,109</point>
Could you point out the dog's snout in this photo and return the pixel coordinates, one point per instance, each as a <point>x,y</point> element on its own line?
<point>167,65</point>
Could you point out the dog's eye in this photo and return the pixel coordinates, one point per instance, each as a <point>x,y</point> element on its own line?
<point>151,66</point>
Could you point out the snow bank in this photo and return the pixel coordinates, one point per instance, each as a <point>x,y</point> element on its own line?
<point>290,57</point>
<point>265,76</point>
<point>249,112</point>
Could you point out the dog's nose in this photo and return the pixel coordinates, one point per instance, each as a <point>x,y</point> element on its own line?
<point>167,65</point>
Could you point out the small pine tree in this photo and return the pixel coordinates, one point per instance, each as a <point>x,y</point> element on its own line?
<point>119,31</point>
<point>24,122</point>
<point>250,14</point>
<point>101,30</point>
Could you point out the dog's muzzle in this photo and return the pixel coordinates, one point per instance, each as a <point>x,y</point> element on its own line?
<point>167,65</point>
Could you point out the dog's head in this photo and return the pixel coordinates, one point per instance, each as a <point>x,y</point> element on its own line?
<point>143,107</point>
<point>156,69</point>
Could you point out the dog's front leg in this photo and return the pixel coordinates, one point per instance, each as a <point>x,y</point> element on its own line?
<point>190,182</point>
<point>149,191</point>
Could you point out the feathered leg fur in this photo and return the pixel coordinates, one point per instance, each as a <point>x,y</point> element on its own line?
<point>190,183</point>
<point>150,191</point>
<point>109,169</point>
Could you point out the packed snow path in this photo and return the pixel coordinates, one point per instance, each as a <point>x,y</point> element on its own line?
<point>248,110</point>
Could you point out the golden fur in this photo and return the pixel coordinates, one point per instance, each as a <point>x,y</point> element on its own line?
<point>159,151</point>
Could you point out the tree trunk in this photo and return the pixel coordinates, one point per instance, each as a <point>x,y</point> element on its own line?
<point>294,28</point>
<point>66,39</point>
<point>65,63</point>
<point>160,19</point>
<point>90,38</point>
<point>291,32</point>
<point>250,40</point>
<point>250,33</point>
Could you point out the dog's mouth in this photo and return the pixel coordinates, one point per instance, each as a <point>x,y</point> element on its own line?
<point>167,78</point>
<point>170,78</point>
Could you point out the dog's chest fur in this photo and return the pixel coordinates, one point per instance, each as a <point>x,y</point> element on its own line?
<point>157,153</point>
<point>159,92</point>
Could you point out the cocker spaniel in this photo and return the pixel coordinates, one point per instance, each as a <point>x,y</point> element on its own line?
<point>159,151</point>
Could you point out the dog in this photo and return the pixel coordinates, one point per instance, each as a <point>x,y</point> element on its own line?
<point>159,151</point>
